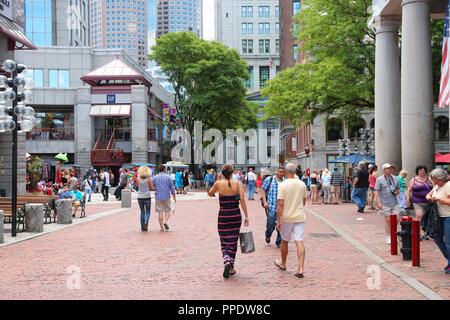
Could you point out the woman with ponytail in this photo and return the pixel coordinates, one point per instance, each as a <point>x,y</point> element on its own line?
<point>231,195</point>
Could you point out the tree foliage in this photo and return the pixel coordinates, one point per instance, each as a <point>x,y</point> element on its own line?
<point>337,73</point>
<point>208,79</point>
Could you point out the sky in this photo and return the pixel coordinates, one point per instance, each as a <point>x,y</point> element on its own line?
<point>208,18</point>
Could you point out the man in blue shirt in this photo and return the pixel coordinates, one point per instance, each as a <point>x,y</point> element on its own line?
<point>269,196</point>
<point>209,180</point>
<point>163,189</point>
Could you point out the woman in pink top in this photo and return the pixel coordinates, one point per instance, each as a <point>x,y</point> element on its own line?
<point>372,180</point>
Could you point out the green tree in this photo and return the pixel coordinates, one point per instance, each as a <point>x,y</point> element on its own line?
<point>34,171</point>
<point>208,79</point>
<point>338,74</point>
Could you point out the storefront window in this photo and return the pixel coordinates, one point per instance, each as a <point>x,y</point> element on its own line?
<point>53,126</point>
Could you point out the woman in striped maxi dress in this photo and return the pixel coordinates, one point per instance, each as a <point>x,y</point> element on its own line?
<point>231,195</point>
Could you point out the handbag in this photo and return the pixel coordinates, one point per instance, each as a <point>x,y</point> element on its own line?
<point>431,222</point>
<point>247,242</point>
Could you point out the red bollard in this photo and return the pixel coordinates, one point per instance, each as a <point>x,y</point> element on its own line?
<point>393,235</point>
<point>415,243</point>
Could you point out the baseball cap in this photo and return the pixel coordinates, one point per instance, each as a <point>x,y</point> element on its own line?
<point>387,165</point>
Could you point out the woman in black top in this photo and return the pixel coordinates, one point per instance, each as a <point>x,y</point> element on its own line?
<point>186,181</point>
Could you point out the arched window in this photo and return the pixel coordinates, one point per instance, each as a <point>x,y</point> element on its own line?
<point>335,129</point>
<point>372,124</point>
<point>441,128</point>
<point>354,126</point>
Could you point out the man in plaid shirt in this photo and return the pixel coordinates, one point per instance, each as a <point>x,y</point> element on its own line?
<point>269,197</point>
<point>164,188</point>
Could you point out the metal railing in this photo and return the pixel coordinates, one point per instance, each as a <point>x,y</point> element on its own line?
<point>51,134</point>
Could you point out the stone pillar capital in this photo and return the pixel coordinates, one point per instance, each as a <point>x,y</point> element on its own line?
<point>387,24</point>
<point>406,2</point>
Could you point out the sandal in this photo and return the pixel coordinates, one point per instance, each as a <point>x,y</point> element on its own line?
<point>299,275</point>
<point>279,266</point>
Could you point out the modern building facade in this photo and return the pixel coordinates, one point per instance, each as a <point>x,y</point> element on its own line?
<point>106,114</point>
<point>179,15</point>
<point>252,28</point>
<point>121,24</point>
<point>12,39</point>
<point>57,22</point>
<point>404,99</point>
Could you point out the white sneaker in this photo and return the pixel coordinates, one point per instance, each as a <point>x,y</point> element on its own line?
<point>388,239</point>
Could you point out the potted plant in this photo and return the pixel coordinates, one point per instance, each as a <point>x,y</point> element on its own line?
<point>34,167</point>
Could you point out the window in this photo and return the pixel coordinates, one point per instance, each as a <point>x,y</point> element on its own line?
<point>244,46</point>
<point>58,78</point>
<point>277,11</point>
<point>277,46</point>
<point>52,125</point>
<point>441,129</point>
<point>247,28</point>
<point>353,130</point>
<point>335,130</point>
<point>264,28</point>
<point>247,11</point>
<point>295,7</point>
<point>263,11</point>
<point>277,27</point>
<point>264,46</point>
<point>250,82</point>
<point>37,75</point>
<point>264,75</point>
<point>295,52</point>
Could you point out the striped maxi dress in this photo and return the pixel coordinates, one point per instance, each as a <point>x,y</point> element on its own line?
<point>229,225</point>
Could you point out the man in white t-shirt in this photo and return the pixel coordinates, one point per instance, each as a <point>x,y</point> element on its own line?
<point>291,219</point>
<point>251,183</point>
<point>106,185</point>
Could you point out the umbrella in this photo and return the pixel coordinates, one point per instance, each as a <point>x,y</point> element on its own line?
<point>445,158</point>
<point>354,159</point>
<point>144,165</point>
<point>62,157</point>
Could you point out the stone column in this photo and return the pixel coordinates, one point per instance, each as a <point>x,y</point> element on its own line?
<point>417,86</point>
<point>126,198</point>
<point>34,217</point>
<point>139,124</point>
<point>387,93</point>
<point>84,133</point>
<point>64,211</point>
<point>2,219</point>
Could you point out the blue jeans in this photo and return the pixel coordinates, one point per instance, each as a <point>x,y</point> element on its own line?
<point>444,242</point>
<point>89,192</point>
<point>359,197</point>
<point>145,205</point>
<point>271,224</point>
<point>251,189</point>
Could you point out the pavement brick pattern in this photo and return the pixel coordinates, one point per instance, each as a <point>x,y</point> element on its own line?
<point>117,261</point>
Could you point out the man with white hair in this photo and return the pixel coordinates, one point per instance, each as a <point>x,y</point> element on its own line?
<point>386,189</point>
<point>291,217</point>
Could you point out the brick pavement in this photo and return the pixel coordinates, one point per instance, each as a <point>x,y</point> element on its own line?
<point>117,261</point>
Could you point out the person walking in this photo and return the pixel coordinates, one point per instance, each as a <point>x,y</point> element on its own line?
<point>164,187</point>
<point>326,186</point>
<point>179,181</point>
<point>269,196</point>
<point>418,188</point>
<point>441,195</point>
<point>123,183</point>
<point>373,175</point>
<point>185,181</point>
<point>231,195</point>
<point>210,178</point>
<point>360,187</point>
<point>106,185</point>
<point>251,183</point>
<point>387,188</point>
<point>259,182</point>
<point>337,181</point>
<point>314,187</point>
<point>291,218</point>
<point>88,187</point>
<point>144,186</point>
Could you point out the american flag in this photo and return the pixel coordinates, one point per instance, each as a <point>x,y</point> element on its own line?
<point>444,92</point>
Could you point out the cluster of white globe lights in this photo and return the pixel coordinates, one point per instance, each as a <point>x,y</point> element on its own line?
<point>25,114</point>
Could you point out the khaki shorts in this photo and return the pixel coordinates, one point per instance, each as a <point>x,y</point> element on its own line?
<point>390,211</point>
<point>76,203</point>
<point>162,206</point>
<point>292,231</point>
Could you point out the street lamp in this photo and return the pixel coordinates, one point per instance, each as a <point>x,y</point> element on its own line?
<point>344,147</point>
<point>15,94</point>
<point>367,140</point>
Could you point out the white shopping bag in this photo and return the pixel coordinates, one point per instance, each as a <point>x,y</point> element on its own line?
<point>172,206</point>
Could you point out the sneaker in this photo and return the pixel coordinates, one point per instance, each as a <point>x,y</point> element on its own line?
<point>267,240</point>
<point>388,239</point>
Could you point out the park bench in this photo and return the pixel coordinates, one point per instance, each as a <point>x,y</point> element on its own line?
<point>6,206</point>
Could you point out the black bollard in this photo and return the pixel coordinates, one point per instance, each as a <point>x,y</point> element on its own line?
<point>406,236</point>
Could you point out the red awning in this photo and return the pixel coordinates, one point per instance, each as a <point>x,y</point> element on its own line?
<point>16,37</point>
<point>154,114</point>
<point>445,158</point>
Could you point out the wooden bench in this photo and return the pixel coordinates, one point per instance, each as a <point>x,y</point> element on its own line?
<point>22,200</point>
